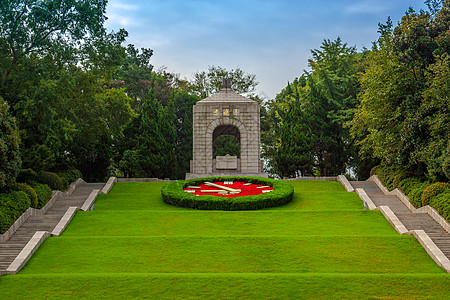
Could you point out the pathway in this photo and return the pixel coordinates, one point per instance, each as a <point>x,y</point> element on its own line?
<point>47,222</point>
<point>412,221</point>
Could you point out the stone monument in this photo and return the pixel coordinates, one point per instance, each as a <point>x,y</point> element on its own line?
<point>226,114</point>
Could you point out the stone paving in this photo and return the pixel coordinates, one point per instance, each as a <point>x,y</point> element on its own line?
<point>412,221</point>
<point>47,222</point>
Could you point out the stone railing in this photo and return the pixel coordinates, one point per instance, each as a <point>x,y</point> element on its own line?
<point>33,212</point>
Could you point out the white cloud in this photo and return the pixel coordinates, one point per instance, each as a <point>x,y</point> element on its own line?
<point>367,7</point>
<point>118,14</point>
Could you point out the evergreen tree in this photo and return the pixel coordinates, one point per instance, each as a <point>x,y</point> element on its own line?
<point>9,148</point>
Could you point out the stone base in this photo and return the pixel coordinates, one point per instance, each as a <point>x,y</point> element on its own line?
<point>194,175</point>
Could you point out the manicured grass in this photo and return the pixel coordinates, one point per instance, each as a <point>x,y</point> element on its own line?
<point>321,245</point>
<point>225,286</point>
<point>212,223</point>
<point>230,254</point>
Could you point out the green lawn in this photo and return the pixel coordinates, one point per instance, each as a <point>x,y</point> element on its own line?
<point>321,245</point>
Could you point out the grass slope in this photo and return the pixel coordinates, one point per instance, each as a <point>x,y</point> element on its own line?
<point>321,245</point>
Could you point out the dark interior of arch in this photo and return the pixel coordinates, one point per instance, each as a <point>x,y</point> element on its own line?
<point>229,130</point>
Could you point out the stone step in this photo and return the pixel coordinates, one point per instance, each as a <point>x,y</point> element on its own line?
<point>7,258</point>
<point>12,246</point>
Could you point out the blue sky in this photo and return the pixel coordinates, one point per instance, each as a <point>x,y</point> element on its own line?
<point>271,39</point>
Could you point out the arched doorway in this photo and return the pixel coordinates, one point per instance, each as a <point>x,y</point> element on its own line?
<point>226,141</point>
<point>226,148</point>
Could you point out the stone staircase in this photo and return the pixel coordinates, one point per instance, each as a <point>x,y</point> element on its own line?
<point>47,222</point>
<point>412,221</point>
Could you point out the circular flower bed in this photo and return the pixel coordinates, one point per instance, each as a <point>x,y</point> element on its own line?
<point>228,193</point>
<point>225,189</point>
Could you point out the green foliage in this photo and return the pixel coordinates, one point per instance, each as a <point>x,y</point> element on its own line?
<point>30,192</point>
<point>441,202</point>
<point>43,192</point>
<point>9,147</point>
<point>226,145</point>
<point>387,175</point>
<point>51,179</point>
<point>404,113</point>
<point>12,205</point>
<point>399,178</point>
<point>308,116</point>
<point>408,184</point>
<point>27,176</point>
<point>174,194</point>
<point>432,191</point>
<point>56,65</point>
<point>69,176</point>
<point>206,83</point>
<point>415,194</point>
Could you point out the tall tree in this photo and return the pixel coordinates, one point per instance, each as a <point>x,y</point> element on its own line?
<point>9,147</point>
<point>397,114</point>
<point>206,83</point>
<point>311,113</point>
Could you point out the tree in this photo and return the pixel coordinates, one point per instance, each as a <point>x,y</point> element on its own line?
<point>34,29</point>
<point>9,148</point>
<point>204,84</point>
<point>404,90</point>
<point>310,114</point>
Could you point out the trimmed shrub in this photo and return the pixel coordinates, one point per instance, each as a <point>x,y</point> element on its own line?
<point>374,170</point>
<point>442,204</point>
<point>388,173</point>
<point>30,192</point>
<point>406,185</point>
<point>12,206</point>
<point>43,192</point>
<point>174,194</point>
<point>51,179</point>
<point>27,176</point>
<point>415,195</point>
<point>432,191</point>
<point>399,178</point>
<point>69,176</point>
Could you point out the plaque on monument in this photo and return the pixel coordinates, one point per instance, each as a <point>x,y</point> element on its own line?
<point>226,162</point>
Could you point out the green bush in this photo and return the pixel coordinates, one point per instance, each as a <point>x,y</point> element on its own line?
<point>27,176</point>
<point>399,178</point>
<point>43,192</point>
<point>30,192</point>
<point>442,204</point>
<point>174,194</point>
<point>388,173</point>
<point>69,176</point>
<point>374,170</point>
<point>432,191</point>
<point>415,195</point>
<point>406,185</point>
<point>12,206</point>
<point>51,179</point>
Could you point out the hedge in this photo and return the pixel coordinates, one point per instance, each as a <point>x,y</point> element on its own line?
<point>51,179</point>
<point>69,176</point>
<point>12,206</point>
<point>174,194</point>
<point>442,204</point>
<point>432,191</point>
<point>28,176</point>
<point>30,192</point>
<point>419,191</point>
<point>44,193</point>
